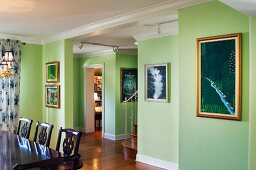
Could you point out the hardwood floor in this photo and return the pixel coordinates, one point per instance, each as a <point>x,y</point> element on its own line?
<point>99,153</point>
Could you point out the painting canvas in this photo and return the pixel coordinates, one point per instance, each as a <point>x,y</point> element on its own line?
<point>218,77</point>
<point>52,96</point>
<point>156,83</point>
<point>52,72</point>
<point>128,82</point>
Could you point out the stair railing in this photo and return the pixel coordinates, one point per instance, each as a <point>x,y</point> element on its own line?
<point>130,107</point>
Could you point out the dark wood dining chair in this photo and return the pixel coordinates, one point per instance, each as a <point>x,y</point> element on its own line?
<point>51,164</point>
<point>70,144</point>
<point>44,136</point>
<point>24,127</point>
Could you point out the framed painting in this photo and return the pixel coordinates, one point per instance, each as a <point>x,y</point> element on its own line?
<point>219,77</point>
<point>128,82</point>
<point>52,96</point>
<point>156,89</point>
<point>52,72</point>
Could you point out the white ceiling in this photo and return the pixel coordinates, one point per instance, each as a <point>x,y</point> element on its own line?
<point>247,7</point>
<point>48,17</point>
<point>112,22</point>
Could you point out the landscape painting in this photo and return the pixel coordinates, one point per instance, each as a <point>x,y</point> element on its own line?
<point>128,82</point>
<point>218,77</point>
<point>52,96</point>
<point>156,82</point>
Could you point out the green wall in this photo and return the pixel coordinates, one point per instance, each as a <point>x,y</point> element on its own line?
<point>252,146</point>
<point>207,143</point>
<point>125,61</point>
<point>109,61</point>
<point>114,116</point>
<point>158,123</point>
<point>31,96</point>
<point>78,113</point>
<point>60,51</point>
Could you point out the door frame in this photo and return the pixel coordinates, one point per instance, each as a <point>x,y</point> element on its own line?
<point>102,66</point>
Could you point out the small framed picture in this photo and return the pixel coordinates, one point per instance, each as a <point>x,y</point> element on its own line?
<point>219,77</point>
<point>156,89</point>
<point>52,72</point>
<point>52,96</point>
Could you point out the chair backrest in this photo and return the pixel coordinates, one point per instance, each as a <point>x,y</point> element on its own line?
<point>68,162</point>
<point>24,127</point>
<point>44,136</point>
<point>70,142</point>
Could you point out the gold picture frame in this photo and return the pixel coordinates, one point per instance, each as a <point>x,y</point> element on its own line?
<point>52,72</point>
<point>52,96</point>
<point>219,77</point>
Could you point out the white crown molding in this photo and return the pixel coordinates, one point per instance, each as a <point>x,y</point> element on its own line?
<point>26,39</point>
<point>122,19</point>
<point>173,30</point>
<point>153,35</point>
<point>93,54</point>
<point>157,162</point>
<point>109,23</point>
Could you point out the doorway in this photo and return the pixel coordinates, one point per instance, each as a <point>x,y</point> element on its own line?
<point>94,99</point>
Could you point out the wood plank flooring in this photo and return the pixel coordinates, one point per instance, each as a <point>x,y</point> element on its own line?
<point>99,153</point>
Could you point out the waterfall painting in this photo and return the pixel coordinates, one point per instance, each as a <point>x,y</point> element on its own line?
<point>156,83</point>
<point>128,82</point>
<point>219,77</point>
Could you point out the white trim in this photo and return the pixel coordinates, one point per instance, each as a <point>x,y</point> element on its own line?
<point>102,66</point>
<point>157,162</point>
<point>118,20</point>
<point>133,51</point>
<point>114,137</point>
<point>132,16</point>
<point>250,91</point>
<point>169,29</point>
<point>153,35</point>
<point>93,54</point>
<point>80,129</point>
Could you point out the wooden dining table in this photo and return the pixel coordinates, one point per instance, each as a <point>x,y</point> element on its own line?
<point>15,149</point>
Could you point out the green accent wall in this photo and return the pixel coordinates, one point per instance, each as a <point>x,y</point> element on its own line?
<point>60,51</point>
<point>158,123</point>
<point>207,143</point>
<point>252,146</point>
<point>125,61</point>
<point>78,116</point>
<point>31,97</point>
<point>114,116</point>
<point>109,61</point>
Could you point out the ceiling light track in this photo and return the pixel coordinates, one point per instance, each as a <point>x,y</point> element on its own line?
<point>114,47</point>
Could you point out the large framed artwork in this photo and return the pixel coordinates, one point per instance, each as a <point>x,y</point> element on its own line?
<point>156,88</point>
<point>219,77</point>
<point>52,72</point>
<point>52,96</point>
<point>128,82</point>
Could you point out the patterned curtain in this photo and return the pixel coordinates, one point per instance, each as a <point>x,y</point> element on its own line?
<point>10,88</point>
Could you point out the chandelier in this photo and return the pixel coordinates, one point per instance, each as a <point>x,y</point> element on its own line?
<point>6,64</point>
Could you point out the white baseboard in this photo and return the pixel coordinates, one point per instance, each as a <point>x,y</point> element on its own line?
<point>80,129</point>
<point>114,137</point>
<point>157,162</point>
